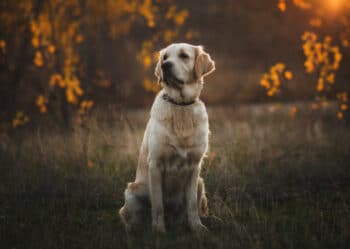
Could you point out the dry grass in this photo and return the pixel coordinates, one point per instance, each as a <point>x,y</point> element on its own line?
<point>274,181</point>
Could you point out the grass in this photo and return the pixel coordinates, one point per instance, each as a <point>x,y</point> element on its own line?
<point>273,181</point>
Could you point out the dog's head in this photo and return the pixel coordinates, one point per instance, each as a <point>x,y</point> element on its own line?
<point>181,64</point>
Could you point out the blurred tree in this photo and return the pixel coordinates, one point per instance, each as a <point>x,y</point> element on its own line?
<point>324,43</point>
<point>52,48</point>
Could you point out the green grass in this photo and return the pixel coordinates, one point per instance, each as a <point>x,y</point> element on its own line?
<point>272,182</point>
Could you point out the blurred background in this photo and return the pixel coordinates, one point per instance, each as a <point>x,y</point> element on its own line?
<point>76,86</point>
<point>59,58</point>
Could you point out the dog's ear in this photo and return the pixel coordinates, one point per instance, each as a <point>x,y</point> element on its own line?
<point>158,70</point>
<point>204,65</point>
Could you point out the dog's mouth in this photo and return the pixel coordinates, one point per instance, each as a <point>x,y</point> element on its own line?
<point>171,80</point>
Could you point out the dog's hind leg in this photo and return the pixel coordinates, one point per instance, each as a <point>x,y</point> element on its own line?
<point>136,209</point>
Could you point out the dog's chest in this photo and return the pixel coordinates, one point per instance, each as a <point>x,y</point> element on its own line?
<point>177,169</point>
<point>183,124</point>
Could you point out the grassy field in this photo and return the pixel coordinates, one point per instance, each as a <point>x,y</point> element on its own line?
<point>273,182</point>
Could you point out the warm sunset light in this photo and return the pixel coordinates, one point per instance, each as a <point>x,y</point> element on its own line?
<point>334,5</point>
<point>105,109</point>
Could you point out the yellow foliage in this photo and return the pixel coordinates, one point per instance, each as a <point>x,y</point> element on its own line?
<point>324,103</point>
<point>3,45</point>
<point>85,106</point>
<point>35,42</point>
<point>265,83</point>
<point>345,43</point>
<point>70,96</point>
<point>340,115</point>
<point>282,6</point>
<point>41,102</point>
<point>79,38</point>
<point>322,57</point>
<point>330,78</point>
<point>315,106</point>
<point>272,81</point>
<point>315,22</point>
<point>38,59</point>
<point>20,119</point>
<point>169,35</point>
<point>51,48</point>
<point>320,85</point>
<point>180,18</point>
<point>56,79</point>
<point>147,10</point>
<point>288,75</point>
<point>343,107</point>
<point>73,89</point>
<point>171,12</point>
<point>189,35</point>
<point>150,86</point>
<point>302,4</point>
<point>147,61</point>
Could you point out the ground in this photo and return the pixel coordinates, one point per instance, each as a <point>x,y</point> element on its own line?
<point>273,181</point>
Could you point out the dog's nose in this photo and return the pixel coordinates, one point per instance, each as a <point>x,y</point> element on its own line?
<point>166,66</point>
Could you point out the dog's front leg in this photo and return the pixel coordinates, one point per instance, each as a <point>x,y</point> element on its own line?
<point>192,203</point>
<point>156,194</point>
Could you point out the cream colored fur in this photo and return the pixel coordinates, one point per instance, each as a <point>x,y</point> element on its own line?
<point>174,144</point>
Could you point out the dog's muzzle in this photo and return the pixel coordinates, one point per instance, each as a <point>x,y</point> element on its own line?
<point>168,75</point>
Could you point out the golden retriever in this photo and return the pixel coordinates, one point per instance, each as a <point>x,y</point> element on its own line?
<point>175,141</point>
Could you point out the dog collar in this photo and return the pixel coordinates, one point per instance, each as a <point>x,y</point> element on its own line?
<point>166,97</point>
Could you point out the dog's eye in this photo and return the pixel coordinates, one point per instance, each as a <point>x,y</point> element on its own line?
<point>165,57</point>
<point>183,56</point>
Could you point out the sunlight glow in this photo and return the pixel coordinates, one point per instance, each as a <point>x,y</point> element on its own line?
<point>334,5</point>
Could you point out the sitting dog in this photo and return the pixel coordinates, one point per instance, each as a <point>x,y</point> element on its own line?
<point>168,181</point>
